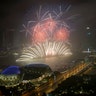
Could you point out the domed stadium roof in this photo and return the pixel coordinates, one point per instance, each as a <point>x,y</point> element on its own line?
<point>37,65</point>
<point>32,71</point>
<point>11,70</point>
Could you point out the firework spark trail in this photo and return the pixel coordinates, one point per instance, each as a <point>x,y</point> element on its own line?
<point>67,8</point>
<point>46,25</point>
<point>45,49</point>
<point>26,30</point>
<point>45,14</point>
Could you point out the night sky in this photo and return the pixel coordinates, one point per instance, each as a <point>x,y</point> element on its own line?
<point>13,14</point>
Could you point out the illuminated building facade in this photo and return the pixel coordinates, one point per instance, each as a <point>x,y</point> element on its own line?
<point>14,75</point>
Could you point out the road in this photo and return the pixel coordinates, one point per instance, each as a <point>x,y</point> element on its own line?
<point>53,84</point>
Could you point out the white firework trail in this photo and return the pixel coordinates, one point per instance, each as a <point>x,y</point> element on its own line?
<point>43,50</point>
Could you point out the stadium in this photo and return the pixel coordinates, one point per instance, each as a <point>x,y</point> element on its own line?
<point>10,76</point>
<point>34,73</point>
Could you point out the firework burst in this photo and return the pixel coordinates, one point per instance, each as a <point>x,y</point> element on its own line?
<point>46,49</point>
<point>48,36</point>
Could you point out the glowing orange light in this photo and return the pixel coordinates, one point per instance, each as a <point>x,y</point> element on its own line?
<point>61,35</point>
<point>49,30</point>
<point>50,24</point>
<point>39,34</point>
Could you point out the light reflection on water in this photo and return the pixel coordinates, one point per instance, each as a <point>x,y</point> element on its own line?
<point>56,63</point>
